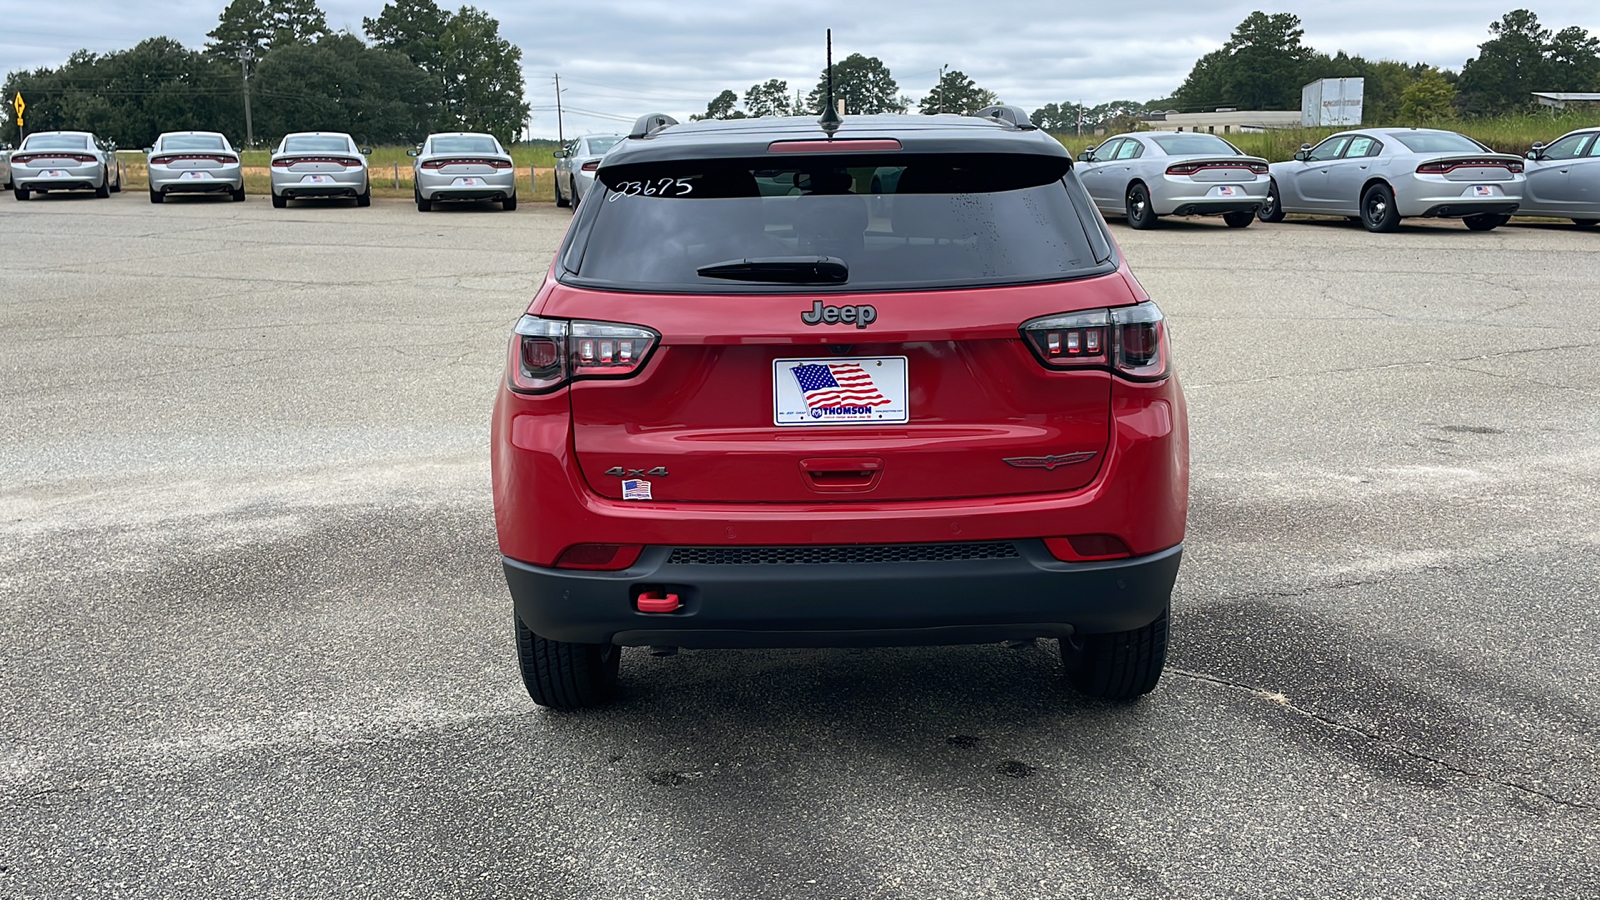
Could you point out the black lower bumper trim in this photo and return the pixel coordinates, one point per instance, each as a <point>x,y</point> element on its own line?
<point>1468,208</point>
<point>466,196</point>
<point>1217,208</point>
<point>309,193</point>
<point>846,604</point>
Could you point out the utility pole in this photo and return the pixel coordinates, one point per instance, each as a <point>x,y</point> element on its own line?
<point>561,134</point>
<point>940,86</point>
<point>244,70</point>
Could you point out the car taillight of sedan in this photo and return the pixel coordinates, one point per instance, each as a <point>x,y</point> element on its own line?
<point>1450,165</point>
<point>347,162</point>
<point>30,157</point>
<point>1192,168</point>
<point>441,163</point>
<point>170,158</point>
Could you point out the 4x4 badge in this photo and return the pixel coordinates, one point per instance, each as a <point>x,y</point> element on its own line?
<point>860,316</point>
<point>620,472</point>
<point>1051,462</point>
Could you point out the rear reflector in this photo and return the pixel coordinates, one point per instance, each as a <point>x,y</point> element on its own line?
<point>1087,547</point>
<point>599,556</point>
<point>845,145</point>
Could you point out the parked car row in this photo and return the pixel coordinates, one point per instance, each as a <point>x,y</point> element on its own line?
<point>1375,176</point>
<point>304,165</point>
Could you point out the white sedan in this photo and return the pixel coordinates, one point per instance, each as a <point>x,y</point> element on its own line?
<point>1149,174</point>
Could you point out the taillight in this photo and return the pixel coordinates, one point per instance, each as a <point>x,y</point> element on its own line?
<point>1450,165</point>
<point>283,163</point>
<point>501,163</point>
<point>599,556</point>
<point>591,165</point>
<point>169,159</point>
<point>76,157</point>
<point>548,353</point>
<point>1192,168</point>
<point>336,160</point>
<point>1087,547</point>
<point>441,163</point>
<point>1129,340</point>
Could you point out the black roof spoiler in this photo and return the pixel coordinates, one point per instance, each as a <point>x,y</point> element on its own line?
<point>651,125</point>
<point>1011,115</point>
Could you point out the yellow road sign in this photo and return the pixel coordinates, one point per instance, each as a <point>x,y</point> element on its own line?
<point>20,106</point>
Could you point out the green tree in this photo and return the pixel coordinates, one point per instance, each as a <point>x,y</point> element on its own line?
<point>477,74</point>
<point>723,106</point>
<point>1509,66</point>
<point>1427,99</point>
<point>1573,58</point>
<point>863,83</point>
<point>956,93</point>
<point>1260,67</point>
<point>768,99</point>
<point>257,26</point>
<point>340,84</point>
<point>297,21</point>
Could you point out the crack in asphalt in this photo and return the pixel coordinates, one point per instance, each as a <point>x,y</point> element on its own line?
<point>1375,738</point>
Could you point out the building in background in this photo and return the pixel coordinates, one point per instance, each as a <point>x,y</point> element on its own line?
<point>1224,121</point>
<point>1564,99</point>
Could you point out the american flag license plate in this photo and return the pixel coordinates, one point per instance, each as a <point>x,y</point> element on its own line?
<point>834,391</point>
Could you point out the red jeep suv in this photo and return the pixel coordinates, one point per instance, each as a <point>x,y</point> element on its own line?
<point>890,383</point>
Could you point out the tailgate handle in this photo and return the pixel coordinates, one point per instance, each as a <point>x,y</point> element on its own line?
<point>842,475</point>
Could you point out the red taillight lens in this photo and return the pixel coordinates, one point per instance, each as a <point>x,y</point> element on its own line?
<point>1087,547</point>
<point>1450,165</point>
<point>1129,340</point>
<point>30,157</point>
<point>283,163</point>
<point>1192,168</point>
<point>502,163</point>
<point>168,159</point>
<point>591,165</point>
<point>610,557</point>
<point>548,353</point>
<point>441,163</point>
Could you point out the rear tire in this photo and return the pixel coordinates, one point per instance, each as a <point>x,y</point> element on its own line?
<point>1378,212</point>
<point>1123,665</point>
<point>1239,219</point>
<point>562,675</point>
<point>1586,223</point>
<point>423,204</point>
<point>155,196</point>
<point>560,200</point>
<point>279,202</point>
<point>509,203</point>
<point>365,197</point>
<point>104,190</point>
<point>1485,221</point>
<point>237,196</point>
<point>1272,209</point>
<point>1140,214</point>
<point>19,193</point>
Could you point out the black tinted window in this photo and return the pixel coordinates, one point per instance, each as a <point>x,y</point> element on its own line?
<point>1438,142</point>
<point>56,142</point>
<point>897,222</point>
<point>1185,144</point>
<point>191,142</point>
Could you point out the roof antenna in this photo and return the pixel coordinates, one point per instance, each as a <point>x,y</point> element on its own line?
<point>830,120</point>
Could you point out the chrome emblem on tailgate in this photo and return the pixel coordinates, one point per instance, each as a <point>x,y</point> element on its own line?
<point>1051,462</point>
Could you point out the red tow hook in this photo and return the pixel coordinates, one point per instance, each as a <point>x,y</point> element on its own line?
<point>658,602</point>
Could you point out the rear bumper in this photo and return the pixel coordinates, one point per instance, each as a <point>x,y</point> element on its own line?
<point>496,186</point>
<point>343,185</point>
<point>846,604</point>
<point>84,179</point>
<point>1217,207</point>
<point>1463,208</point>
<point>171,181</point>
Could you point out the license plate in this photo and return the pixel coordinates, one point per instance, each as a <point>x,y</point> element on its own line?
<point>195,176</point>
<point>54,173</point>
<point>316,179</point>
<point>834,391</point>
<point>1482,190</point>
<point>468,182</point>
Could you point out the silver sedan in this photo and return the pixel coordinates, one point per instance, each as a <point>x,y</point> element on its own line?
<point>1379,176</point>
<point>194,162</point>
<point>64,161</point>
<point>576,165</point>
<point>463,166</point>
<point>319,164</point>
<point>1564,179</point>
<point>1151,174</point>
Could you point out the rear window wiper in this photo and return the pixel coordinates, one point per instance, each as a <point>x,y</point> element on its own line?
<point>780,270</point>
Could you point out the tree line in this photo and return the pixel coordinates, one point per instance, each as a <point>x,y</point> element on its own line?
<point>1263,65</point>
<point>421,69</point>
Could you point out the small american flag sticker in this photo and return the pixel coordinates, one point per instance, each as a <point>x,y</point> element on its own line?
<point>636,489</point>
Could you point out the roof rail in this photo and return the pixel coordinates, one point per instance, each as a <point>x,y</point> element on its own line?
<point>649,126</point>
<point>1011,115</point>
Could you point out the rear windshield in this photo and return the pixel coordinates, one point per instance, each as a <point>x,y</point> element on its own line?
<point>468,143</point>
<point>896,222</point>
<point>315,144</point>
<point>602,144</point>
<point>1438,142</point>
<point>56,142</point>
<point>1184,144</point>
<point>191,142</point>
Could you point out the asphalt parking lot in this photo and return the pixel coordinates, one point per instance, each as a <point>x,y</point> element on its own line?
<point>257,642</point>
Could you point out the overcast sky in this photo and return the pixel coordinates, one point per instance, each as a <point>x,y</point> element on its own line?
<point>619,59</point>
